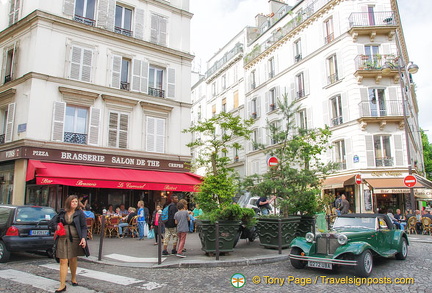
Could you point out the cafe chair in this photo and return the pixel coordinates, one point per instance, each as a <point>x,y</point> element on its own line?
<point>133,227</point>
<point>411,227</point>
<point>426,224</point>
<point>90,224</point>
<point>112,226</point>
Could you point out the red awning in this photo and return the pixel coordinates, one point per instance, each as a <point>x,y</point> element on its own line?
<point>103,177</point>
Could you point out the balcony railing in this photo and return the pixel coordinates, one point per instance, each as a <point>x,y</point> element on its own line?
<point>7,78</point>
<point>383,18</point>
<point>328,38</point>
<point>253,85</point>
<point>78,138</point>
<point>375,62</point>
<point>341,165</point>
<point>384,162</point>
<point>300,94</point>
<point>123,31</point>
<point>337,120</point>
<point>382,109</point>
<point>332,78</point>
<point>238,48</point>
<point>84,20</point>
<point>156,92</point>
<point>298,57</point>
<point>124,85</point>
<point>2,138</point>
<point>271,74</point>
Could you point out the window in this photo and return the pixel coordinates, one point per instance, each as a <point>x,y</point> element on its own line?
<point>253,80</point>
<point>213,89</point>
<point>371,15</point>
<point>372,52</point>
<point>336,110</point>
<point>339,154</point>
<point>7,119</point>
<point>123,21</point>
<point>223,80</point>
<point>14,11</point>
<point>272,100</point>
<point>158,30</point>
<point>224,105</point>
<point>9,61</point>
<point>155,139</point>
<point>254,108</point>
<point>271,67</point>
<point>300,85</point>
<point>81,64</point>
<point>213,110</point>
<point>332,70</point>
<point>84,11</point>
<point>156,81</point>
<point>377,103</point>
<point>302,115</point>
<point>236,100</point>
<point>118,130</point>
<point>75,127</point>
<point>328,30</point>
<point>120,73</point>
<point>297,51</point>
<point>273,130</point>
<point>383,156</point>
<point>256,139</point>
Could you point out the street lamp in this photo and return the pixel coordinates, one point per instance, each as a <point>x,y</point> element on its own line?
<point>403,70</point>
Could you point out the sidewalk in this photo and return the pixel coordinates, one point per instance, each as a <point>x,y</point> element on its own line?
<point>130,252</point>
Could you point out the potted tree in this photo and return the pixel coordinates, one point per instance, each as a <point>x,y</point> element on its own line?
<point>297,177</point>
<point>219,186</point>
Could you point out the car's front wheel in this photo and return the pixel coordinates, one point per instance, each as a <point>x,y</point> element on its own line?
<point>404,250</point>
<point>364,264</point>
<point>4,253</point>
<point>298,264</point>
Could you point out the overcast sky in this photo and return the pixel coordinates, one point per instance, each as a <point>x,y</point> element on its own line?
<point>215,22</point>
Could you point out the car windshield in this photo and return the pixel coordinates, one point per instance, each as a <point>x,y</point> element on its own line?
<point>368,223</point>
<point>34,214</point>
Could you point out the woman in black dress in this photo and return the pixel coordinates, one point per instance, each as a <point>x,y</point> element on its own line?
<point>72,244</point>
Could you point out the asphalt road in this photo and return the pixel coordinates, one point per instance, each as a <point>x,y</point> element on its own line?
<point>35,273</point>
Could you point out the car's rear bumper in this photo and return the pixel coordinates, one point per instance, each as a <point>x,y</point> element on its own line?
<point>17,243</point>
<point>334,261</point>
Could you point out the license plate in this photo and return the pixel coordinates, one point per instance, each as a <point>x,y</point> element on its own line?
<point>38,232</point>
<point>321,265</point>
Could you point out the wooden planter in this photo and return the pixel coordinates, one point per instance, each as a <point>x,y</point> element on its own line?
<point>268,231</point>
<point>228,231</point>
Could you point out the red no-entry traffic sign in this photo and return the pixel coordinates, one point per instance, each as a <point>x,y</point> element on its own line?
<point>410,181</point>
<point>273,162</point>
<point>358,179</point>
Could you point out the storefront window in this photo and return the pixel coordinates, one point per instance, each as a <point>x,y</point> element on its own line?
<point>37,195</point>
<point>6,183</point>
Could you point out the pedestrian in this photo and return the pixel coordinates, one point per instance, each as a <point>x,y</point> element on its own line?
<point>344,207</point>
<point>72,223</point>
<point>264,204</point>
<point>171,227</point>
<point>156,222</point>
<point>337,205</point>
<point>181,218</point>
<point>141,219</point>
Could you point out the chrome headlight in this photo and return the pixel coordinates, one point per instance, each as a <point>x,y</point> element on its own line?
<point>342,239</point>
<point>309,237</point>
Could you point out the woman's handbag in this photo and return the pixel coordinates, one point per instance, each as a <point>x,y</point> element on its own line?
<point>151,234</point>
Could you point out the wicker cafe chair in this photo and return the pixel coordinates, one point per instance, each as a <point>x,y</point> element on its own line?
<point>90,224</point>
<point>97,224</point>
<point>112,226</point>
<point>412,221</point>
<point>426,224</point>
<point>133,227</point>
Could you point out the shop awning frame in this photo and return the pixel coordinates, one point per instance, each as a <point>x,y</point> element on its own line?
<point>338,182</point>
<point>104,177</point>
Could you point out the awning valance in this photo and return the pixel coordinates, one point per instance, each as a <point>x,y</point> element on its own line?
<point>103,177</point>
<point>338,182</point>
<point>396,183</point>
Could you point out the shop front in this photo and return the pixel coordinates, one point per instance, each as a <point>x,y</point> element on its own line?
<point>345,184</point>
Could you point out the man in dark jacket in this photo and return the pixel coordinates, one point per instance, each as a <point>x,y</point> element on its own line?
<point>171,227</point>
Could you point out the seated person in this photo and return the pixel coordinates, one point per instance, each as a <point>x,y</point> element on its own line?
<point>123,210</point>
<point>401,219</point>
<point>88,213</point>
<point>110,211</point>
<point>392,218</point>
<point>126,220</point>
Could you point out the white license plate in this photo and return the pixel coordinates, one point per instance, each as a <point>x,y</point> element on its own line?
<point>39,232</point>
<point>321,265</point>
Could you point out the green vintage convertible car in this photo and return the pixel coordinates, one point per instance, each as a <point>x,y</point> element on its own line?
<point>353,241</point>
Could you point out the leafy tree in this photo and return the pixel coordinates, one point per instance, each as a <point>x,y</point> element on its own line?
<point>427,155</point>
<point>296,180</point>
<point>213,138</point>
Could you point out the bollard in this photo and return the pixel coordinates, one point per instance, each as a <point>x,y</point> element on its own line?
<point>159,237</point>
<point>102,234</point>
<point>217,240</point>
<point>280,236</point>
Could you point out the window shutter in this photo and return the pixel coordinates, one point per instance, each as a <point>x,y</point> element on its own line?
<point>14,11</point>
<point>144,76</point>
<point>306,82</point>
<point>150,137</point>
<point>58,121</point>
<point>154,29</point>
<point>93,137</point>
<point>399,154</point>
<point>86,65</point>
<point>136,75</point>
<point>293,92</point>
<point>394,104</point>
<point>277,97</point>
<point>370,156</point>
<point>345,108</point>
<point>14,61</point>
<point>258,106</point>
<point>75,64</point>
<point>106,14</point>
<point>162,31</point>
<point>325,113</point>
<point>3,70</point>
<point>160,135</point>
<point>348,154</point>
<point>139,24</point>
<point>68,7</point>
<point>259,136</point>
<point>116,71</point>
<point>309,117</point>
<point>267,102</point>
<point>123,131</point>
<point>113,127</point>
<point>171,83</point>
<point>365,110</point>
<point>10,122</point>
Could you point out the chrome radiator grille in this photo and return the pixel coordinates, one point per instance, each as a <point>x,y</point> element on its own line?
<point>326,245</point>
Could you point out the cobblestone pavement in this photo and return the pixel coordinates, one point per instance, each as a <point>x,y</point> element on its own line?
<point>41,275</point>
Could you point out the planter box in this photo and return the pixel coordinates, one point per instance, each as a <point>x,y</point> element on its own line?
<point>228,231</point>
<point>268,231</point>
<point>306,224</point>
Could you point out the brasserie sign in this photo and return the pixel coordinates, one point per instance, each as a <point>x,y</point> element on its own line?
<point>94,159</point>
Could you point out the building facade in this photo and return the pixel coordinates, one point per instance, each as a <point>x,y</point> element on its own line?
<point>94,95</point>
<point>343,62</point>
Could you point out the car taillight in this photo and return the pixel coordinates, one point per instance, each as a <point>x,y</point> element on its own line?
<point>12,231</point>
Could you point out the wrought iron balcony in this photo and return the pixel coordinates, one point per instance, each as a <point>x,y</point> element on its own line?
<point>7,78</point>
<point>329,38</point>
<point>156,92</point>
<point>331,79</point>
<point>372,65</point>
<point>337,120</point>
<point>298,57</point>
<point>300,94</point>
<point>340,165</point>
<point>124,85</point>
<point>123,31</point>
<point>382,18</point>
<point>389,108</point>
<point>84,20</point>
<point>78,138</point>
<point>384,162</point>
<point>2,138</point>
